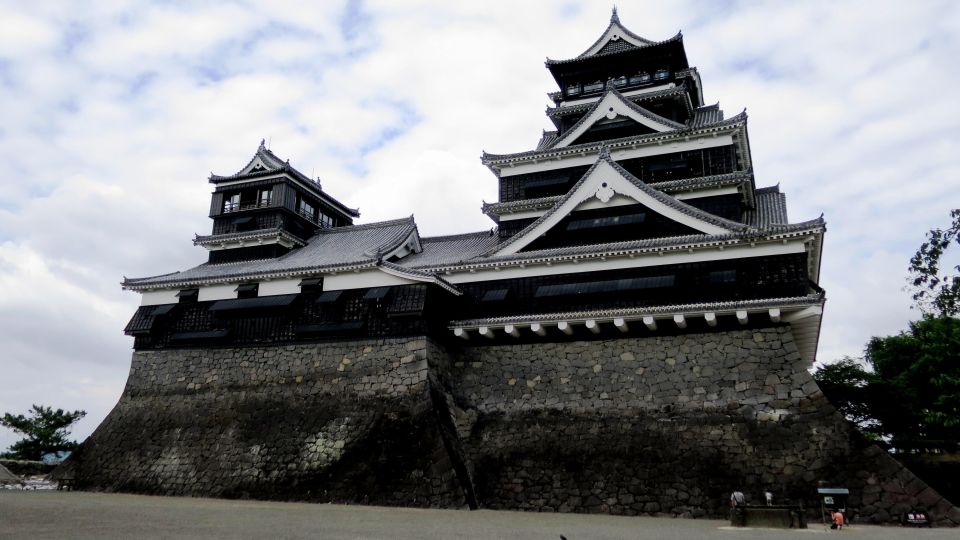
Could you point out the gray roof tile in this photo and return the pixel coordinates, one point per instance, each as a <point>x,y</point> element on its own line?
<point>355,245</point>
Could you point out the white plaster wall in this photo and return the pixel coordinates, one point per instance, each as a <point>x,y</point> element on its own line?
<point>362,280</point>
<point>278,287</point>
<point>156,298</point>
<point>217,292</point>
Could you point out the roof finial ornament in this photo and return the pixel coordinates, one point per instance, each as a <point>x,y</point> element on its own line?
<point>604,152</point>
<point>614,18</point>
<point>263,144</point>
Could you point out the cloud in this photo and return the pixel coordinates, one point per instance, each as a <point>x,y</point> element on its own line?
<point>114,115</point>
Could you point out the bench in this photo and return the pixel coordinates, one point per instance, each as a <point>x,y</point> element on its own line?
<point>777,516</point>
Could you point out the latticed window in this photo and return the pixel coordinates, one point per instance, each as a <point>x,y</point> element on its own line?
<point>265,197</point>
<point>306,209</point>
<point>661,74</point>
<point>231,203</point>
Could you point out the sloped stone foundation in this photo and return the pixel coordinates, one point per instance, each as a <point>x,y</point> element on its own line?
<point>663,425</point>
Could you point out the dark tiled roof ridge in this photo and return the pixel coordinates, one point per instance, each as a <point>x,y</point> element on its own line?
<point>550,62</point>
<point>452,237</point>
<point>769,189</point>
<point>488,158</point>
<point>615,21</point>
<point>371,225</point>
<point>244,234</point>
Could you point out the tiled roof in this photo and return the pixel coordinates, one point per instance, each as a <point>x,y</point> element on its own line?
<point>274,165</point>
<point>771,208</point>
<point>339,247</point>
<point>450,250</point>
<point>491,159</point>
<point>247,235</point>
<point>547,140</point>
<point>705,116</point>
<point>677,38</point>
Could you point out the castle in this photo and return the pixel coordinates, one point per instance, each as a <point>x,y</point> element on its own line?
<point>633,337</point>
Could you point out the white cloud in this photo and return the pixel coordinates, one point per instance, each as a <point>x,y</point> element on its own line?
<point>113,116</point>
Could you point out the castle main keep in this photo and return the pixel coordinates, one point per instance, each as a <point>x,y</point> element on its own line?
<point>633,337</point>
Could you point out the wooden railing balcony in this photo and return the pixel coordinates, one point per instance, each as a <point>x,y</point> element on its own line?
<point>237,207</point>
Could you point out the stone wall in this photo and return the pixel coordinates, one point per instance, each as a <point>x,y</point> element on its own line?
<point>346,422</point>
<point>663,425</point>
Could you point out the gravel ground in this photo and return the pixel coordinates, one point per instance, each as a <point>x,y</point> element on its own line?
<point>79,515</point>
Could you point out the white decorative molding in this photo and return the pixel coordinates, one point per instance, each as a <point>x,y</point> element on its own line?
<point>640,149</point>
<point>604,176</point>
<point>610,107</point>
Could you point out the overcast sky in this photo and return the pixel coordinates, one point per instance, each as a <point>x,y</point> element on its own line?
<point>113,114</point>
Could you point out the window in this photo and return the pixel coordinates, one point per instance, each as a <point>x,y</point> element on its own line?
<point>247,290</point>
<point>573,89</point>
<point>324,220</point>
<point>495,295</point>
<point>306,210</point>
<point>231,203</point>
<point>609,286</point>
<point>376,293</point>
<point>723,276</point>
<point>640,78</point>
<point>661,74</point>
<point>595,86</point>
<point>620,81</point>
<point>628,219</point>
<point>188,295</point>
<point>265,197</point>
<point>311,285</point>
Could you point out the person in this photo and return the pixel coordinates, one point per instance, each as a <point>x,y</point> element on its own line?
<point>737,499</point>
<point>837,520</point>
<point>769,496</point>
<point>737,503</point>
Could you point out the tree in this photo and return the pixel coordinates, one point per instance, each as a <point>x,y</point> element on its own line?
<point>846,385</point>
<point>44,430</point>
<point>935,293</point>
<point>906,390</point>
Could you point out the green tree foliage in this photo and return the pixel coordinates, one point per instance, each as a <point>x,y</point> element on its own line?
<point>935,293</point>
<point>907,390</point>
<point>846,385</point>
<point>44,430</point>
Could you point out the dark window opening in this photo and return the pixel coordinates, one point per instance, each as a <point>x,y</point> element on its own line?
<point>329,297</point>
<point>248,290</point>
<point>609,286</point>
<point>723,277</point>
<point>311,285</point>
<point>626,219</point>
<point>188,295</point>
<point>376,293</point>
<point>495,295</point>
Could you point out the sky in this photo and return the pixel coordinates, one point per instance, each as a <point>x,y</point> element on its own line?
<point>113,114</point>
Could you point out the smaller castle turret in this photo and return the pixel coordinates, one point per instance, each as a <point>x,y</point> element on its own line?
<point>267,209</point>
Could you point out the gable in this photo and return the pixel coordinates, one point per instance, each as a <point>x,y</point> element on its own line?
<point>607,185</point>
<point>613,108</point>
<point>626,221</point>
